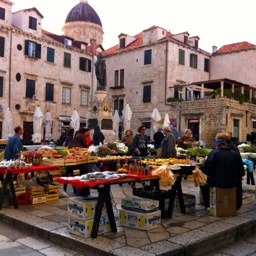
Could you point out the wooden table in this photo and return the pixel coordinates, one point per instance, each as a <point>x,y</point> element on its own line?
<point>104,187</point>
<point>6,176</point>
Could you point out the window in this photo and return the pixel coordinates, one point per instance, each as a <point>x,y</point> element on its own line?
<point>32,49</point>
<point>236,126</point>
<point>85,64</point>
<point>67,42</point>
<point>2,13</point>
<point>67,60</point>
<point>30,88</point>
<point>181,57</point>
<point>119,105</point>
<point>206,65</point>
<point>122,43</point>
<point>1,86</point>
<point>2,41</point>
<point>84,97</point>
<point>118,82</point>
<point>32,23</point>
<point>147,57</point>
<point>66,95</point>
<point>193,60</point>
<point>147,93</point>
<point>177,92</point>
<point>50,54</point>
<point>148,128</point>
<point>49,92</point>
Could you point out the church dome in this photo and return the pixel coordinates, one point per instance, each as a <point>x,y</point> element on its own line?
<point>83,12</point>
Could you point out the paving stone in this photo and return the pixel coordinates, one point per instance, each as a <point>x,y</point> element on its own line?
<point>158,234</point>
<point>56,218</point>
<point>57,251</point>
<point>193,224</point>
<point>6,244</point>
<point>40,213</point>
<point>35,243</point>
<point>4,238</point>
<point>177,230</point>
<point>130,251</point>
<point>137,241</point>
<point>186,218</point>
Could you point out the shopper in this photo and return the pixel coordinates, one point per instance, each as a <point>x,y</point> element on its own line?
<point>168,143</point>
<point>128,138</point>
<point>158,137</point>
<point>69,137</point>
<point>82,139</point>
<point>224,168</point>
<point>98,136</point>
<point>14,145</point>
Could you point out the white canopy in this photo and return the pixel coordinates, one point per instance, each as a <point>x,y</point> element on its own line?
<point>166,120</point>
<point>116,119</point>
<point>7,124</point>
<point>48,126</point>
<point>75,121</point>
<point>127,115</point>
<point>37,125</point>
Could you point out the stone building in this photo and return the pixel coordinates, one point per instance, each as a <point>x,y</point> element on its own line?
<point>156,68</point>
<point>38,68</point>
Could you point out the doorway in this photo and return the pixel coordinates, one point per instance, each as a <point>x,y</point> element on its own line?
<point>193,125</point>
<point>28,132</point>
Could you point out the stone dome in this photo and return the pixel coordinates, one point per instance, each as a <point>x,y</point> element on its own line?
<point>83,12</point>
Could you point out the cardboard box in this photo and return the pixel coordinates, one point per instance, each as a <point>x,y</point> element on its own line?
<point>223,202</point>
<point>139,220</point>
<point>189,203</point>
<point>83,228</point>
<point>83,207</point>
<point>139,204</point>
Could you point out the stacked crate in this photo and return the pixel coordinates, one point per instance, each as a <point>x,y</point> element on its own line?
<point>52,191</point>
<point>81,211</point>
<point>140,213</point>
<point>36,194</point>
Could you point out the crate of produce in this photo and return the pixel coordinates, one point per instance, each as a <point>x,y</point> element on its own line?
<point>52,196</point>
<point>22,199</point>
<point>35,190</point>
<point>92,159</point>
<point>163,196</point>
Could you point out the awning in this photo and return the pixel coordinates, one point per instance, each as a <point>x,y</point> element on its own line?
<point>68,119</point>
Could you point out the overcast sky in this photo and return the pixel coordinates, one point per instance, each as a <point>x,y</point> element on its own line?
<point>217,22</point>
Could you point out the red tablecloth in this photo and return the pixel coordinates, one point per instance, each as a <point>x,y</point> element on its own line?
<point>76,182</point>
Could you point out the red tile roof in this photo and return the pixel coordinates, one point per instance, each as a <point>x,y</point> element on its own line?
<point>229,48</point>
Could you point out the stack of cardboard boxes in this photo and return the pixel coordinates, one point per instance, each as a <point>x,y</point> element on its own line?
<point>140,213</point>
<point>81,211</point>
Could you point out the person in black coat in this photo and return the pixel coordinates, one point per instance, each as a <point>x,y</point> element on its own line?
<point>98,136</point>
<point>224,168</point>
<point>140,142</point>
<point>69,137</point>
<point>158,137</point>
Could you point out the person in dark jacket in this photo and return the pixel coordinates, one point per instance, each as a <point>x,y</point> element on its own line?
<point>14,145</point>
<point>158,137</point>
<point>168,144</point>
<point>224,168</point>
<point>227,138</point>
<point>79,141</point>
<point>140,142</point>
<point>69,137</point>
<point>98,136</point>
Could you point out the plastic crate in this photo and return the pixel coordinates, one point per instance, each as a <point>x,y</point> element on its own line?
<point>163,196</point>
<point>22,199</point>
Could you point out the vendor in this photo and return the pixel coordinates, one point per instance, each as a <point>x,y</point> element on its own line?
<point>185,140</point>
<point>128,138</point>
<point>168,143</point>
<point>141,142</point>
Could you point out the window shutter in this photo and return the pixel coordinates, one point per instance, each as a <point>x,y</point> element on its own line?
<point>1,86</point>
<point>116,78</point>
<point>89,65</point>
<point>26,47</point>
<point>38,51</point>
<point>2,13</point>
<point>122,77</point>
<point>121,107</point>
<point>2,41</point>
<point>147,57</point>
<point>147,93</point>
<point>81,63</point>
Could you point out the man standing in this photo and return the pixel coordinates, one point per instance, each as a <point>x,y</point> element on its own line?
<point>184,141</point>
<point>224,168</point>
<point>168,144</point>
<point>158,137</point>
<point>14,145</point>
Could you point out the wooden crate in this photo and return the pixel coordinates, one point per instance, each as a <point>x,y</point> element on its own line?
<point>52,196</point>
<point>38,199</point>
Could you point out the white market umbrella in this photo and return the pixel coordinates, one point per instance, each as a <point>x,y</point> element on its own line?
<point>75,121</point>
<point>156,117</point>
<point>48,126</point>
<point>37,125</point>
<point>127,115</point>
<point>116,119</point>
<point>7,124</point>
<point>166,120</point>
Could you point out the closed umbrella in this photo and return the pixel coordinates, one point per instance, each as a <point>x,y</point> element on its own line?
<point>156,117</point>
<point>127,114</point>
<point>166,120</point>
<point>75,121</point>
<point>7,124</point>
<point>37,125</point>
<point>116,119</point>
<point>48,126</point>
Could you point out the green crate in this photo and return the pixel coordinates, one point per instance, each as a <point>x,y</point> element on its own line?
<point>6,201</point>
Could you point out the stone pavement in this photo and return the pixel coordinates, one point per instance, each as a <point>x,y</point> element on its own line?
<point>184,234</point>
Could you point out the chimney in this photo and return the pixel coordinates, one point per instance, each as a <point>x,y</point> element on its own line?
<point>214,49</point>
<point>93,46</point>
